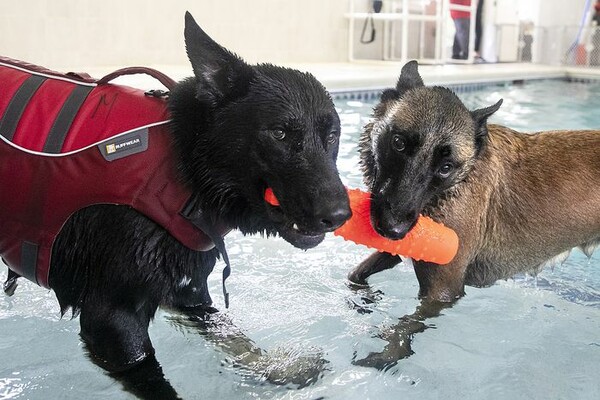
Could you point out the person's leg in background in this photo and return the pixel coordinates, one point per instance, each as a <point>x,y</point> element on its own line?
<point>460,49</point>
<point>478,32</point>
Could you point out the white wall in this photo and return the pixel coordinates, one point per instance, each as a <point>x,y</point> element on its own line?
<point>555,23</point>
<point>82,33</point>
<point>551,13</point>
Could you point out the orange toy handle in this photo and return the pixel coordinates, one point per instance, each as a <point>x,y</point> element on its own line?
<point>427,240</point>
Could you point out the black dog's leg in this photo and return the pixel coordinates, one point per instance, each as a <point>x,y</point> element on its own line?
<point>375,263</point>
<point>195,312</point>
<point>117,340</point>
<point>278,367</point>
<point>146,381</point>
<point>399,337</point>
<point>193,305</point>
<point>219,330</point>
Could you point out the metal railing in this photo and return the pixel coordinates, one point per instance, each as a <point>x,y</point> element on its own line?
<point>406,29</point>
<point>559,46</point>
<point>421,30</point>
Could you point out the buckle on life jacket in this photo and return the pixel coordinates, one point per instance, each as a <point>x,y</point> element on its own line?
<point>11,282</point>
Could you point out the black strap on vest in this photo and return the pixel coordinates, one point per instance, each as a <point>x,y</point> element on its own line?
<point>14,111</point>
<point>200,220</point>
<point>29,255</point>
<point>62,123</point>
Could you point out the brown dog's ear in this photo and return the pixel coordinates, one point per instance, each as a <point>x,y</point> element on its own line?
<point>480,117</point>
<point>221,75</point>
<point>409,78</point>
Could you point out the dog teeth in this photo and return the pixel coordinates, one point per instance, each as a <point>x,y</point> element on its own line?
<point>295,227</point>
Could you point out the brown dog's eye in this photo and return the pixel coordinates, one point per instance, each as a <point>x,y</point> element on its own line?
<point>445,170</point>
<point>278,134</point>
<point>398,143</point>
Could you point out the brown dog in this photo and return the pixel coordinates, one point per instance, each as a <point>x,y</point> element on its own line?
<point>518,202</point>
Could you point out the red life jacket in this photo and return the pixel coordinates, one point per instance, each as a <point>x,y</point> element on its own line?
<point>68,142</point>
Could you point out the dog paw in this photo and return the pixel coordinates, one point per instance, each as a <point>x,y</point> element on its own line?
<point>287,367</point>
<point>397,348</point>
<point>356,280</point>
<point>381,361</point>
<point>364,300</point>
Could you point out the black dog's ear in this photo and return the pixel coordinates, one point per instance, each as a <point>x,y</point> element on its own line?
<point>480,117</point>
<point>409,78</point>
<point>221,75</point>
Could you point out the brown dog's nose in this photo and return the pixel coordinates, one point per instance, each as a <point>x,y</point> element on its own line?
<point>396,232</point>
<point>393,231</point>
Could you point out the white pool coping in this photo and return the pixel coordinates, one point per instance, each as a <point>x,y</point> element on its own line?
<point>337,77</point>
<point>373,75</point>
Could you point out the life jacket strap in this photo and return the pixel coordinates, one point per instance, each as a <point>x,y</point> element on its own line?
<point>194,213</point>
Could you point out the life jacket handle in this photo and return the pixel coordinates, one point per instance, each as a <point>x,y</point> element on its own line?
<point>167,81</point>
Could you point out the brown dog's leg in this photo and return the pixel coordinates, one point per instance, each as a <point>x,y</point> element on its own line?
<point>399,337</point>
<point>375,263</point>
<point>443,283</point>
<point>440,287</point>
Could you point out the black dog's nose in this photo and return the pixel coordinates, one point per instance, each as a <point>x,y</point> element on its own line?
<point>333,219</point>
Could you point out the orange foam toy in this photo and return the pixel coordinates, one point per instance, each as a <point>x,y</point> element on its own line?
<point>428,240</point>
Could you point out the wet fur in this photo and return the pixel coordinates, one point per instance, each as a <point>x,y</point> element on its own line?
<point>518,202</point>
<point>115,267</point>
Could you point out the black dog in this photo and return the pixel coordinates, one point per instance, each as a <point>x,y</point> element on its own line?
<point>238,129</point>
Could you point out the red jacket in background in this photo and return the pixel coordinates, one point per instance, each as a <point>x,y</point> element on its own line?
<point>456,14</point>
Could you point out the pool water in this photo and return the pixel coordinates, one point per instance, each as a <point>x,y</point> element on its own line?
<point>525,338</point>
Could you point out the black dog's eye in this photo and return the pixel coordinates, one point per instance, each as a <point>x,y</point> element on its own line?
<point>398,143</point>
<point>445,170</point>
<point>331,138</point>
<point>278,134</point>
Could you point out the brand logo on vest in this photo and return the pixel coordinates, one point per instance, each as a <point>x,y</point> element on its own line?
<point>115,147</point>
<point>125,145</point>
